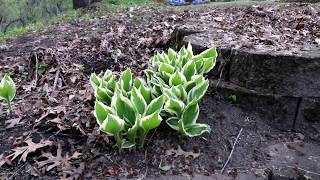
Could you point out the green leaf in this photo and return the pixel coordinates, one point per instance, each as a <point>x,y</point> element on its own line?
<point>208,64</point>
<point>138,82</point>
<point>146,93</point>
<point>150,122</point>
<point>174,107</point>
<point>104,95</point>
<point>138,100</point>
<point>189,69</point>
<point>94,81</point>
<point>165,168</point>
<point>126,80</point>
<point>172,55</point>
<point>190,114</point>
<point>124,108</point>
<point>177,78</point>
<point>198,91</point>
<point>155,105</point>
<point>209,53</point>
<point>7,89</point>
<point>101,112</point>
<point>132,132</point>
<point>189,51</point>
<point>198,59</point>
<point>127,145</point>
<point>197,129</point>
<point>173,122</point>
<point>107,75</point>
<point>180,92</point>
<point>166,68</point>
<point>111,83</point>
<point>112,125</point>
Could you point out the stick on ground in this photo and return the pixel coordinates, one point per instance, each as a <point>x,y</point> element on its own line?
<point>233,147</point>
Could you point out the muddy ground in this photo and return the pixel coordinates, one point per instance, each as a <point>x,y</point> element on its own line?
<point>52,125</point>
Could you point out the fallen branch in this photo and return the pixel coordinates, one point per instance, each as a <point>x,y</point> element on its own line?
<point>233,147</point>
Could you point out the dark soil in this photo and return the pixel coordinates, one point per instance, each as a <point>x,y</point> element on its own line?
<point>59,108</point>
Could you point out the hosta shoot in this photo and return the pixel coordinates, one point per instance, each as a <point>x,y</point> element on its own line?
<point>7,90</point>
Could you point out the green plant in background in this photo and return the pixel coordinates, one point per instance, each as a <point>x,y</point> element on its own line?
<point>180,76</point>
<point>128,108</point>
<point>7,90</point>
<point>124,107</point>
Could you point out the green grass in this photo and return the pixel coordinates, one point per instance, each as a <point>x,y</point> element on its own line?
<point>74,15</point>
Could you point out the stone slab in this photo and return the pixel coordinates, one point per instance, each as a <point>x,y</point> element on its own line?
<point>266,71</point>
<point>280,111</point>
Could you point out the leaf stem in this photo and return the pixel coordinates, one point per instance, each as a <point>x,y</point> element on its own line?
<point>118,141</point>
<point>9,106</point>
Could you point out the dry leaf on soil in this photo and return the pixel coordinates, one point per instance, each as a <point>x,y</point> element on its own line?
<point>58,160</point>
<point>25,150</point>
<point>180,152</point>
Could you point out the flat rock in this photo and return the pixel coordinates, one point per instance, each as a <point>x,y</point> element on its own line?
<point>294,160</point>
<point>264,70</point>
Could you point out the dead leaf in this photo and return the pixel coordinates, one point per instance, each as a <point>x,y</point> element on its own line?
<point>72,173</point>
<point>180,152</point>
<point>13,122</point>
<point>2,161</point>
<point>25,150</point>
<point>53,161</point>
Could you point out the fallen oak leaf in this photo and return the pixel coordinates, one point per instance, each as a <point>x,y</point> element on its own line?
<point>25,150</point>
<point>180,152</point>
<point>53,161</point>
<point>13,122</point>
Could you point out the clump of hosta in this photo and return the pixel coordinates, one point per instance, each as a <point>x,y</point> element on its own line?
<point>124,108</point>
<point>180,76</point>
<point>128,108</point>
<point>7,90</point>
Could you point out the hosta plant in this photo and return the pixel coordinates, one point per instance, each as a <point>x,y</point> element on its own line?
<point>125,109</point>
<point>7,90</point>
<point>128,108</point>
<point>180,76</point>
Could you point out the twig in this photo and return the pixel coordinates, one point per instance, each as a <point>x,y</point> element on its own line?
<point>233,147</point>
<point>37,65</point>
<point>56,80</point>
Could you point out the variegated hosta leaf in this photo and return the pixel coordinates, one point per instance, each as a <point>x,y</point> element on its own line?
<point>177,78</point>
<point>138,100</point>
<point>111,83</point>
<point>198,60</point>
<point>155,105</point>
<point>107,75</point>
<point>124,108</point>
<point>7,88</point>
<point>94,81</point>
<point>146,93</point>
<point>190,113</point>
<point>197,129</point>
<point>166,77</point>
<point>132,132</point>
<point>104,95</point>
<point>138,82</point>
<point>173,122</point>
<point>164,67</point>
<point>174,107</point>
<point>208,64</point>
<point>209,53</point>
<point>198,91</point>
<point>189,69</point>
<point>113,125</point>
<point>172,55</point>
<point>101,111</point>
<point>189,51</point>
<point>179,92</point>
<point>150,122</point>
<point>126,80</point>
